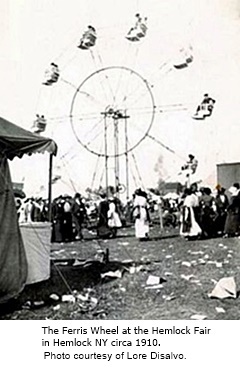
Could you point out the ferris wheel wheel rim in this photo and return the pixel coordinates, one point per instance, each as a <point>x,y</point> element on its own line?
<point>151,119</point>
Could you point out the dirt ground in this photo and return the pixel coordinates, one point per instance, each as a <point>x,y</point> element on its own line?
<point>185,273</point>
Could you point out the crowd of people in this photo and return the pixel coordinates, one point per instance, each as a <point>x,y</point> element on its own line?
<point>198,213</point>
<point>70,215</point>
<point>207,214</point>
<point>33,209</point>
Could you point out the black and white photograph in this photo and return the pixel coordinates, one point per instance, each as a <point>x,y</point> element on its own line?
<point>120,160</point>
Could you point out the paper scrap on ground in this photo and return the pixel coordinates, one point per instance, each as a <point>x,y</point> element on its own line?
<point>186,264</point>
<point>133,270</point>
<point>76,263</point>
<point>211,262</point>
<point>169,297</point>
<point>220,310</point>
<point>152,287</point>
<point>114,274</point>
<point>224,288</point>
<point>199,317</point>
<point>83,297</point>
<point>123,243</point>
<point>153,280</point>
<point>68,298</point>
<point>187,277</point>
<point>54,297</point>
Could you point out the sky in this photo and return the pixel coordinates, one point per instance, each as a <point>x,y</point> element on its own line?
<point>36,33</point>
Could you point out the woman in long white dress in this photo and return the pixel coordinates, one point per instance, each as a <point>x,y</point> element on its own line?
<point>189,227</point>
<point>114,221</point>
<point>141,215</point>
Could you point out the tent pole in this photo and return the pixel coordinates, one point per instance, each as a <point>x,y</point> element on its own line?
<point>50,187</point>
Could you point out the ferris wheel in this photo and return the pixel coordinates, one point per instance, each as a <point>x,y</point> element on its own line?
<point>112,109</point>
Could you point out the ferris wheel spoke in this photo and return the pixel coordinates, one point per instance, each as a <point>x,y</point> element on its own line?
<point>137,94</point>
<point>101,83</point>
<point>119,84</point>
<point>139,110</point>
<point>108,82</point>
<point>96,135</point>
<point>89,98</point>
<point>140,179</point>
<point>126,89</point>
<point>85,93</point>
<point>134,64</point>
<point>86,117</point>
<point>121,73</point>
<point>97,165</point>
<point>68,83</point>
<point>92,130</point>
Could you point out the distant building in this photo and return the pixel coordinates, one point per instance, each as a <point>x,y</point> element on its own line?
<point>227,174</point>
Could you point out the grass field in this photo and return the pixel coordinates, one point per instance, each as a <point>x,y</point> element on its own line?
<point>187,272</point>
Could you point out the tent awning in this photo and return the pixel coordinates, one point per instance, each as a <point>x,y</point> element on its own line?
<point>16,141</point>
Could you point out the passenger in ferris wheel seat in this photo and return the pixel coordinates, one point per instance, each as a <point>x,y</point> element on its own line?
<point>51,74</point>
<point>208,100</point>
<point>54,72</point>
<point>205,108</point>
<point>139,30</point>
<point>191,164</point>
<point>88,39</point>
<point>142,27</point>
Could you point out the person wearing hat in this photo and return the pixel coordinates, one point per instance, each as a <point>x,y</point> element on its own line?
<point>232,225</point>
<point>103,230</point>
<point>189,227</point>
<point>141,215</point>
<point>78,214</point>
<point>114,221</point>
<point>222,202</point>
<point>67,228</point>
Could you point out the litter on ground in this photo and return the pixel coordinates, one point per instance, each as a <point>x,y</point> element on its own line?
<point>186,264</point>
<point>224,288</point>
<point>220,310</point>
<point>198,317</point>
<point>113,274</point>
<point>153,280</point>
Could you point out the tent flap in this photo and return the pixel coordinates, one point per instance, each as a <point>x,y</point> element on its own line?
<point>16,141</point>
<point>13,262</point>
